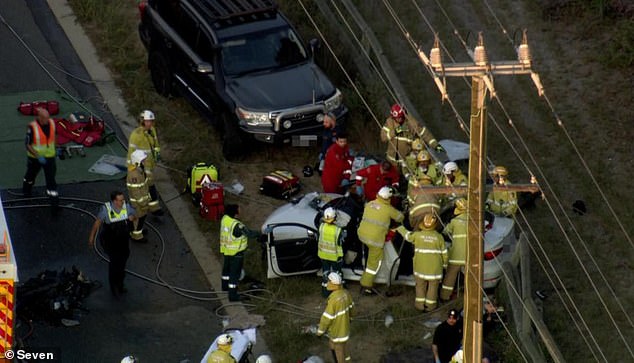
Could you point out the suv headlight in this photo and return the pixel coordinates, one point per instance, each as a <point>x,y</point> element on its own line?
<point>254,118</point>
<point>333,102</point>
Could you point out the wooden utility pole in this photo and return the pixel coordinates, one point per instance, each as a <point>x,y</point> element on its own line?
<point>481,72</point>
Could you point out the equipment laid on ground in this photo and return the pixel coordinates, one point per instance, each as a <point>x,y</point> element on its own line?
<point>68,150</point>
<point>54,296</point>
<point>197,175</point>
<point>281,184</point>
<point>86,133</point>
<point>212,201</point>
<point>29,109</point>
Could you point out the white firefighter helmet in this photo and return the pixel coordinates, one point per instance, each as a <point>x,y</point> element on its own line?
<point>449,167</point>
<point>129,359</point>
<point>225,339</point>
<point>385,193</point>
<point>147,115</point>
<point>137,157</point>
<point>264,359</point>
<point>335,278</point>
<point>330,214</point>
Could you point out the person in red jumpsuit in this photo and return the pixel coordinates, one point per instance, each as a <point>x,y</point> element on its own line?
<point>336,165</point>
<point>377,176</point>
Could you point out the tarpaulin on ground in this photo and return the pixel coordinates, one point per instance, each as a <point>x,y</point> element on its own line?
<point>70,170</point>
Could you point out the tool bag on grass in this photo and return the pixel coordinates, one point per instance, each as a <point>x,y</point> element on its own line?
<point>212,201</point>
<point>197,175</point>
<point>280,184</point>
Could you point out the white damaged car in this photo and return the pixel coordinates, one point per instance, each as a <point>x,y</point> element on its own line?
<point>291,243</point>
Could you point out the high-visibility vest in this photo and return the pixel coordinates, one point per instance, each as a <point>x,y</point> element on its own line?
<point>42,143</point>
<point>329,248</point>
<point>114,216</point>
<point>230,245</point>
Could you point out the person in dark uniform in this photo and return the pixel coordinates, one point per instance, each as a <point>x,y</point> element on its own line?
<point>234,237</point>
<point>41,153</point>
<point>447,338</point>
<point>116,216</point>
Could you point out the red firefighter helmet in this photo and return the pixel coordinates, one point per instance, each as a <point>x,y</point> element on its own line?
<point>397,111</point>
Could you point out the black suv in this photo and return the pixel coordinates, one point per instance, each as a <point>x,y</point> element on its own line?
<point>242,65</point>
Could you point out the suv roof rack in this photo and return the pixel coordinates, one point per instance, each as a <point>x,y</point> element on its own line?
<point>228,9</point>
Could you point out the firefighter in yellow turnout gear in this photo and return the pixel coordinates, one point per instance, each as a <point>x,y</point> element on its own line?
<point>452,176</point>
<point>145,138</point>
<point>335,319</point>
<point>373,228</point>
<point>330,247</point>
<point>456,229</point>
<point>223,353</point>
<point>138,192</point>
<point>421,203</point>
<point>399,131</point>
<point>502,203</point>
<point>234,238</point>
<point>430,257</point>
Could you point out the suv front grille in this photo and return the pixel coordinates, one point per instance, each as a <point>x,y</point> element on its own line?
<point>299,120</point>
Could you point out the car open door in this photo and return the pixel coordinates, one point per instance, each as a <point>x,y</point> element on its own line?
<point>291,250</point>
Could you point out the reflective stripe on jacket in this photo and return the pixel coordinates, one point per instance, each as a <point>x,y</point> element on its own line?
<point>430,254</point>
<point>147,141</point>
<point>230,245</point>
<point>457,230</point>
<point>502,203</point>
<point>138,188</point>
<point>335,319</point>
<point>42,143</point>
<point>329,247</point>
<point>376,222</point>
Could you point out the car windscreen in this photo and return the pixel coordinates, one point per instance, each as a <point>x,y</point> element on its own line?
<point>264,50</point>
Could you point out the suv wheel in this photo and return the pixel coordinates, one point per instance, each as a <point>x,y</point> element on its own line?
<point>160,73</point>
<point>233,145</point>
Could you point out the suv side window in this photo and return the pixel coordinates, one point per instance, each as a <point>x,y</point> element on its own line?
<point>188,30</point>
<point>204,48</point>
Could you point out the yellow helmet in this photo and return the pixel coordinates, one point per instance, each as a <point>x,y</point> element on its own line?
<point>417,145</point>
<point>429,222</point>
<point>423,155</point>
<point>500,170</point>
<point>461,206</point>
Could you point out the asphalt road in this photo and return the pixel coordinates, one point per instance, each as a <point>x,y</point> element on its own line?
<point>151,321</point>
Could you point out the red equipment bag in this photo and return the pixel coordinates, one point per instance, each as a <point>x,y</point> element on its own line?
<point>212,201</point>
<point>281,184</point>
<point>28,109</point>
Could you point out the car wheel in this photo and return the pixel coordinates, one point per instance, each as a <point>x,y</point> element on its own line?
<point>161,74</point>
<point>233,145</point>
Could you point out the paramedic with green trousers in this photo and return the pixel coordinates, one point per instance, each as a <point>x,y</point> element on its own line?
<point>335,319</point>
<point>330,247</point>
<point>233,242</point>
<point>456,229</point>
<point>145,138</point>
<point>430,257</point>
<point>373,228</point>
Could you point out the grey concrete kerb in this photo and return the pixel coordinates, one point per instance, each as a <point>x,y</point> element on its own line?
<point>180,210</point>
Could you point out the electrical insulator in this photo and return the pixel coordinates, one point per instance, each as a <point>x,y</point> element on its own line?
<point>524,54</point>
<point>434,56</point>
<point>479,53</point>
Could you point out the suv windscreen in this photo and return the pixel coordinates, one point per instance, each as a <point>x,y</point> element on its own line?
<point>264,50</point>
